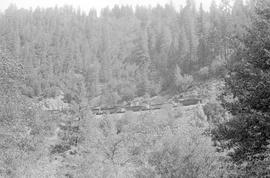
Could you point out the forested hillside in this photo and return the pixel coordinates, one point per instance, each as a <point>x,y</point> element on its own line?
<point>136,92</point>
<point>123,52</point>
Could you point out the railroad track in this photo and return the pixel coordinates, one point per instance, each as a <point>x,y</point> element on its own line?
<point>123,109</point>
<point>137,108</point>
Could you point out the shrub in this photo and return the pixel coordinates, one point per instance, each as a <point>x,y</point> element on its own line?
<point>182,82</point>
<point>50,92</point>
<point>153,88</point>
<point>27,91</point>
<point>217,67</point>
<point>126,91</point>
<point>214,112</point>
<point>203,73</point>
<point>141,89</point>
<point>60,148</point>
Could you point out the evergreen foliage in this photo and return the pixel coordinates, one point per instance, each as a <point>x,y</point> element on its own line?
<point>120,47</point>
<point>247,97</point>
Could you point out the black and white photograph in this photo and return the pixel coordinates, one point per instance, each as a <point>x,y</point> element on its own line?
<point>134,88</point>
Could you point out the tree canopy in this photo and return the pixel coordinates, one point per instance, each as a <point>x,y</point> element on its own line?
<point>247,93</point>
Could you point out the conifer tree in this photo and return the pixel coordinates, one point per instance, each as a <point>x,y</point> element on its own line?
<point>247,133</point>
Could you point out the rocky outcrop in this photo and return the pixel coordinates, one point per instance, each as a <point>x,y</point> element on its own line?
<point>51,104</point>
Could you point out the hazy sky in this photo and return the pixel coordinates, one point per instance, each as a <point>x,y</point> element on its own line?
<point>88,4</point>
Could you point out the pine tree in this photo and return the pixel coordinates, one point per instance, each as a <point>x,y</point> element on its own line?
<point>239,16</point>
<point>189,13</point>
<point>203,50</point>
<point>214,39</point>
<point>247,133</point>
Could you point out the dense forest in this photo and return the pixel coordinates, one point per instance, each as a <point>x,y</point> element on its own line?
<point>123,53</point>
